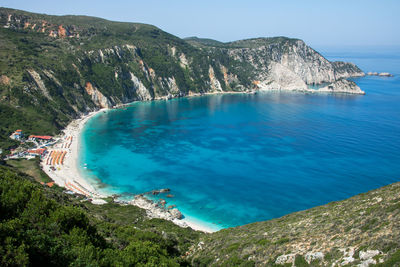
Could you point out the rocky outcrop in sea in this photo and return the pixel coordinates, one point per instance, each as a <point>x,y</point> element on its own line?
<point>158,209</point>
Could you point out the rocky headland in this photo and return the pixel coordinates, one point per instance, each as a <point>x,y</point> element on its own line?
<point>102,63</point>
<point>59,68</point>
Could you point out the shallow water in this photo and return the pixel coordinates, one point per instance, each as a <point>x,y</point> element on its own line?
<point>236,159</point>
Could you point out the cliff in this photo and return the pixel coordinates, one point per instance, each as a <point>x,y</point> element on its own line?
<point>282,63</point>
<point>56,68</point>
<point>53,69</point>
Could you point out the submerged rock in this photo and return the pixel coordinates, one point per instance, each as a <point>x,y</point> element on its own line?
<point>159,191</point>
<point>165,190</point>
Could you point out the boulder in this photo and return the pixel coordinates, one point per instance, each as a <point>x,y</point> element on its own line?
<point>365,255</point>
<point>311,256</point>
<point>176,213</point>
<point>4,80</point>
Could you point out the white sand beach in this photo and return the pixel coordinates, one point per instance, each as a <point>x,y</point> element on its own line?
<point>61,165</point>
<point>67,174</point>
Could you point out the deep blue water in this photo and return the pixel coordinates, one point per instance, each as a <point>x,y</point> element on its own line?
<point>236,159</point>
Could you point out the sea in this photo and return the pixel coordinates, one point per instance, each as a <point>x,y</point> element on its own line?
<point>235,159</point>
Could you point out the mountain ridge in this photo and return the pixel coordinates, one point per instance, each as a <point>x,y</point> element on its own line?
<point>70,65</point>
<point>53,70</point>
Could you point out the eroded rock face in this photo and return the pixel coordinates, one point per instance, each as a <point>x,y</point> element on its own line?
<point>141,91</point>
<point>309,65</point>
<point>97,97</point>
<point>39,82</point>
<point>214,82</point>
<point>173,87</point>
<point>342,86</point>
<point>62,33</point>
<point>281,78</point>
<point>292,65</point>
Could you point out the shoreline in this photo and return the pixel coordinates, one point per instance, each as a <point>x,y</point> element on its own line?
<point>67,175</point>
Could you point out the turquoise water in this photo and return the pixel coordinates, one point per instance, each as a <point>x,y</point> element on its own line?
<point>236,159</point>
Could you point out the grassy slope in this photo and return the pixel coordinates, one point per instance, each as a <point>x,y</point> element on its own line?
<point>366,221</point>
<point>30,167</point>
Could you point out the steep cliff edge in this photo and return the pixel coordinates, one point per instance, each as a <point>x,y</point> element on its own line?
<point>59,67</point>
<point>282,63</point>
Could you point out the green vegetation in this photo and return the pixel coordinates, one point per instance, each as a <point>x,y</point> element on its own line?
<point>31,168</point>
<point>43,86</point>
<point>368,221</point>
<point>106,54</point>
<point>40,226</point>
<point>46,62</point>
<point>204,42</point>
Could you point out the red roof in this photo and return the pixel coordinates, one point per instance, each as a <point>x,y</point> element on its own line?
<point>45,137</point>
<point>39,151</point>
<point>18,130</point>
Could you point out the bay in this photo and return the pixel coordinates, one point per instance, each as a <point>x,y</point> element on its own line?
<point>234,159</point>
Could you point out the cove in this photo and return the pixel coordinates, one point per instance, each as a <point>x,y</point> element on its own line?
<point>235,159</point>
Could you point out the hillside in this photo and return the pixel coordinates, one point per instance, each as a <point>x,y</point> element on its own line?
<point>42,225</point>
<point>364,229</point>
<point>55,68</point>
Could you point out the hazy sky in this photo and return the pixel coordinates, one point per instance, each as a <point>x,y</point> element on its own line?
<point>319,23</point>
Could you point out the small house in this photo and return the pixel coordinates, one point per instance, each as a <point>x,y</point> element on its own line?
<point>40,138</point>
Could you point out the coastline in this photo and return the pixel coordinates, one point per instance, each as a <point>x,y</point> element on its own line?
<point>67,175</point>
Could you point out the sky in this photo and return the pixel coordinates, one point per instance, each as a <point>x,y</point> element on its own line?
<point>317,22</point>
